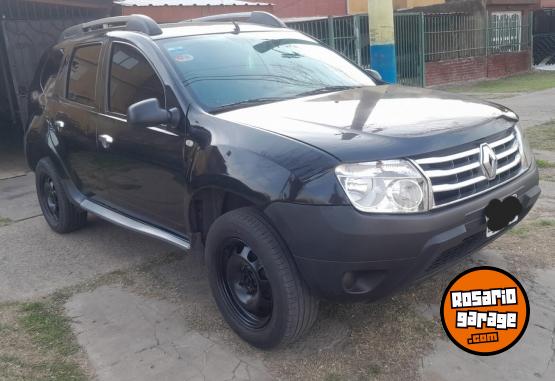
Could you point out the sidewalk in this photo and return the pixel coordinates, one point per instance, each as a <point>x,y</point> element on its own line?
<point>533,108</point>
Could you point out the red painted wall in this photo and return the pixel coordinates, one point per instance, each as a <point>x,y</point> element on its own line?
<point>305,8</point>
<point>178,13</point>
<point>465,69</point>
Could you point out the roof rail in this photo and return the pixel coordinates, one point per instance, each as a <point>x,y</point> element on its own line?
<point>136,23</point>
<point>261,18</point>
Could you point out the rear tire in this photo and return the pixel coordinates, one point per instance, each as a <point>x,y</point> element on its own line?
<point>255,282</point>
<point>60,214</point>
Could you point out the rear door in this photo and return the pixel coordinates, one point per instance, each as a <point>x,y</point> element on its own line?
<point>73,115</point>
<point>143,168</point>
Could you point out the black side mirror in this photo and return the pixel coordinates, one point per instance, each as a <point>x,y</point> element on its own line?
<point>374,74</point>
<point>149,113</point>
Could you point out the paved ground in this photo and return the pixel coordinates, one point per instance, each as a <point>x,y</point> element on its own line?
<point>532,359</point>
<point>533,109</point>
<point>155,318</point>
<point>131,337</point>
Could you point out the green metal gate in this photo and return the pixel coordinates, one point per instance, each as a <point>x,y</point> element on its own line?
<point>346,34</point>
<point>349,35</point>
<point>409,46</point>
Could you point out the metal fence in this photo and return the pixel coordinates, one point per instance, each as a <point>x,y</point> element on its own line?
<point>544,49</point>
<point>348,35</point>
<point>453,36</point>
<point>544,37</point>
<point>27,29</point>
<point>27,10</point>
<point>423,38</point>
<point>409,48</point>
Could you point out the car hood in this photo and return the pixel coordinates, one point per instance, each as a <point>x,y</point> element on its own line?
<point>381,122</point>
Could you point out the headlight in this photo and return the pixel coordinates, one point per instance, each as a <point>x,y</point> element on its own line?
<point>392,186</point>
<point>525,150</point>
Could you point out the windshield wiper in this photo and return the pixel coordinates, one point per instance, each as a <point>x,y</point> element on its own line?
<point>247,103</point>
<point>324,90</point>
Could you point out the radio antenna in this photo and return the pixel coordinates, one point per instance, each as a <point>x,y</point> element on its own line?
<point>237,28</point>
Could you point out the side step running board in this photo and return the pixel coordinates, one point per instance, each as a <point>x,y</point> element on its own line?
<point>129,223</point>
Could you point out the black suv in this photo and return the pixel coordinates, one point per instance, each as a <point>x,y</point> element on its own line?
<point>301,174</point>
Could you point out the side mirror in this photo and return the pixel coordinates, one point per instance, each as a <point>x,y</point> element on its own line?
<point>374,74</point>
<point>149,113</point>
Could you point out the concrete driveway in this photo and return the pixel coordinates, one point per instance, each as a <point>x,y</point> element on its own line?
<point>148,313</point>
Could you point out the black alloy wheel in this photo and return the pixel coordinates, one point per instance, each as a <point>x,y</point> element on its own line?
<point>59,212</point>
<point>244,284</point>
<point>255,282</point>
<point>50,198</point>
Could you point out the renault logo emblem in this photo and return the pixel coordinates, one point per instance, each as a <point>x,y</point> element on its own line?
<point>488,160</point>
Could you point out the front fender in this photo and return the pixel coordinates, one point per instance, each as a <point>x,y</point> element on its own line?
<point>260,165</point>
<point>242,172</point>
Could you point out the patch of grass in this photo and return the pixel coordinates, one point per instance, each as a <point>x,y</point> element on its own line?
<point>542,137</point>
<point>333,377</point>
<point>14,368</point>
<point>520,231</point>
<point>5,328</point>
<point>36,343</point>
<point>7,360</point>
<point>521,83</point>
<point>524,230</point>
<point>61,371</point>
<point>543,164</point>
<point>373,371</point>
<point>544,222</point>
<point>5,221</point>
<point>49,329</point>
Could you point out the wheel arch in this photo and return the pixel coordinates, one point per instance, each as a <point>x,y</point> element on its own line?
<point>211,202</point>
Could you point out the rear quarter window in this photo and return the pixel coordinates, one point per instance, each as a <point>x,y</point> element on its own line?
<point>83,71</point>
<point>51,67</point>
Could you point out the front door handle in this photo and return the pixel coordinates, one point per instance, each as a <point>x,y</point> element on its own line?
<point>59,124</point>
<point>106,141</point>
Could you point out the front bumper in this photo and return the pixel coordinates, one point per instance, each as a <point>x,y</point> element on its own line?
<point>348,256</point>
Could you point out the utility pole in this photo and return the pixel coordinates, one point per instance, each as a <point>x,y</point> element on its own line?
<point>382,39</point>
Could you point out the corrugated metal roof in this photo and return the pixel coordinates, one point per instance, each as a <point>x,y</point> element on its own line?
<point>160,3</point>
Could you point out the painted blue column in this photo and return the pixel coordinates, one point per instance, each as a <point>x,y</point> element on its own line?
<point>382,39</point>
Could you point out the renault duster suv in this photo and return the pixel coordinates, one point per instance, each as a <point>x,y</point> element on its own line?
<point>301,175</point>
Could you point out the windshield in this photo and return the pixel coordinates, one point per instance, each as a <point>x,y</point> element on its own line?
<point>227,71</point>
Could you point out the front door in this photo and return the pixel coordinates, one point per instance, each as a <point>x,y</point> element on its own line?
<point>143,168</point>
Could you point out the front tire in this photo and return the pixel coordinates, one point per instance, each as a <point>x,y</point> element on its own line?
<point>60,214</point>
<point>255,283</point>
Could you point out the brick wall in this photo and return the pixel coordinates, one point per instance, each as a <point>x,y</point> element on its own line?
<point>459,70</point>
<point>177,13</point>
<point>307,8</point>
<point>467,69</point>
<point>501,65</point>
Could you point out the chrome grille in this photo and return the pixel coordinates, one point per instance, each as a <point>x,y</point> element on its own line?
<point>458,176</point>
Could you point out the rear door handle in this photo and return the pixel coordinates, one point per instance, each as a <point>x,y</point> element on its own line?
<point>106,141</point>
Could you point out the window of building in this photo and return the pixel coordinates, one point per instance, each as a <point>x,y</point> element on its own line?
<point>505,31</point>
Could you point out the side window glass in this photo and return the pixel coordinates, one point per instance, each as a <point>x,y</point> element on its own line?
<point>132,79</point>
<point>82,75</point>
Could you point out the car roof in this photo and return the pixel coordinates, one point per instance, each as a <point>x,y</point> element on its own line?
<point>183,29</point>
<point>200,28</point>
<point>140,26</point>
